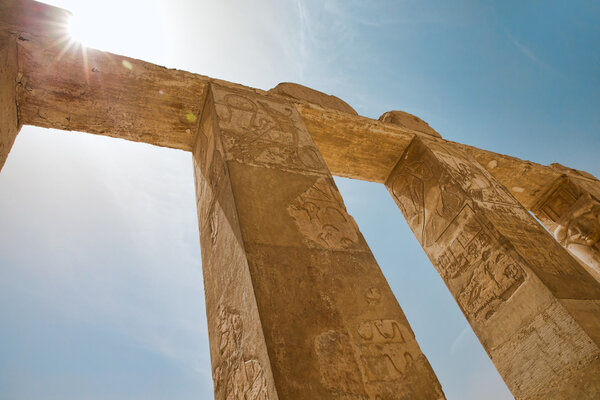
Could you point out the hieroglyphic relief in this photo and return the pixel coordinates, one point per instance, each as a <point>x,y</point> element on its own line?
<point>426,196</point>
<point>472,177</point>
<point>237,377</point>
<point>488,274</point>
<point>387,348</point>
<point>268,133</point>
<point>373,296</point>
<point>321,217</point>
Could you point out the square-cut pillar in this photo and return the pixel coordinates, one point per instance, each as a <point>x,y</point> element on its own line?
<point>534,308</point>
<point>9,124</point>
<point>297,306</point>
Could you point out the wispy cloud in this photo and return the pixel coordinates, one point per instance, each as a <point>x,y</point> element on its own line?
<point>530,54</point>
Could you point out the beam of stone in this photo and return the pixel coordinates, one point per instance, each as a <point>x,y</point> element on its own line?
<point>92,91</point>
<point>9,123</point>
<point>534,308</point>
<point>297,306</point>
<point>64,85</point>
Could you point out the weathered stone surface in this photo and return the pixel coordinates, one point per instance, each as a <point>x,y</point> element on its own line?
<point>283,255</point>
<point>354,146</point>
<point>18,16</point>
<point>9,123</point>
<point>313,96</point>
<point>109,95</point>
<point>297,306</point>
<point>534,308</point>
<point>409,121</point>
<point>572,213</point>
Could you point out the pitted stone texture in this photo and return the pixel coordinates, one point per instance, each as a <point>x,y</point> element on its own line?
<point>409,121</point>
<point>304,93</point>
<point>533,307</point>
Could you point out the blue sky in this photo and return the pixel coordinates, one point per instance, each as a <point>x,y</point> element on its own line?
<point>100,277</point>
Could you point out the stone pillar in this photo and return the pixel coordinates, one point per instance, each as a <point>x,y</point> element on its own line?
<point>297,306</point>
<point>535,309</point>
<point>9,125</point>
<point>571,210</point>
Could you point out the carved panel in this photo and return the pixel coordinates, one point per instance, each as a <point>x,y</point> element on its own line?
<point>426,195</point>
<point>321,217</point>
<point>486,272</point>
<point>265,132</point>
<point>557,202</point>
<point>237,377</point>
<point>472,177</point>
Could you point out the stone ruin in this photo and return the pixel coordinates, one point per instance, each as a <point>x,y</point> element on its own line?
<point>297,306</point>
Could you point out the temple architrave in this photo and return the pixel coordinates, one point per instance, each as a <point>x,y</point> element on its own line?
<point>297,306</point>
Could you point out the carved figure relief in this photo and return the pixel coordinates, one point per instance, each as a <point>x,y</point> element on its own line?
<point>579,231</point>
<point>493,282</point>
<point>321,217</point>
<point>265,133</point>
<point>428,199</point>
<point>237,377</point>
<point>472,177</point>
<point>488,275</point>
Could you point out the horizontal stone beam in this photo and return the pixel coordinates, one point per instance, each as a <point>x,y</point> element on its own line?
<point>97,92</point>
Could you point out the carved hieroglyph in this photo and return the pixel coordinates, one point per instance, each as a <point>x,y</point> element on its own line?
<point>321,219</point>
<point>534,308</point>
<point>297,306</point>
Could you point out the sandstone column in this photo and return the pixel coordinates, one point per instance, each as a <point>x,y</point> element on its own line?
<point>9,125</point>
<point>535,309</point>
<point>570,209</point>
<point>297,306</point>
